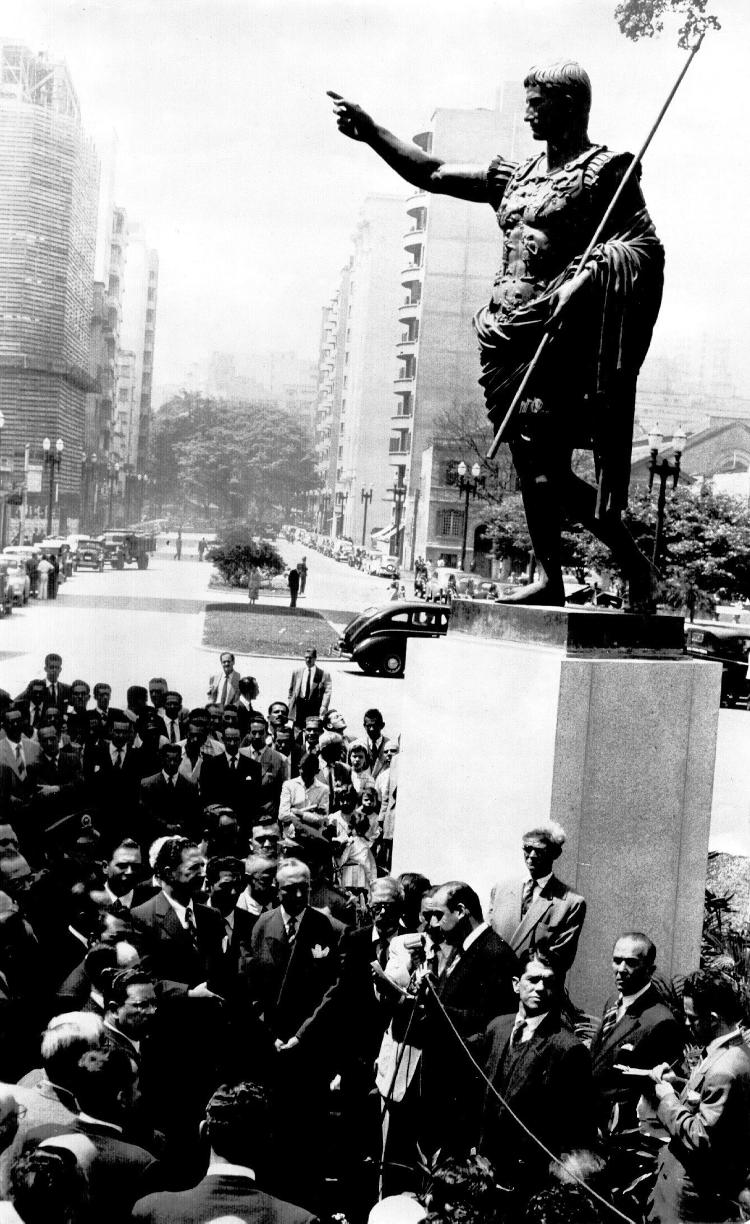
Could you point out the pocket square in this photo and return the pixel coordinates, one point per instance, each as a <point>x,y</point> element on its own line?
<point>319,951</point>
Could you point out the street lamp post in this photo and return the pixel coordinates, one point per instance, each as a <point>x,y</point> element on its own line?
<point>665,471</point>
<point>52,460</point>
<point>114,476</point>
<point>468,486</point>
<point>342,497</point>
<point>399,496</point>
<point>365,496</point>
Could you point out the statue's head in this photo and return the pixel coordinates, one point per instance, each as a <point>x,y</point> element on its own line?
<point>566,85</point>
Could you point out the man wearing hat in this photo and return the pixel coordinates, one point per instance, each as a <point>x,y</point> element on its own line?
<point>539,910</point>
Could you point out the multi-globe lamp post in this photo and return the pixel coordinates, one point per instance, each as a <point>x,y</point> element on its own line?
<point>664,471</point>
<point>468,486</point>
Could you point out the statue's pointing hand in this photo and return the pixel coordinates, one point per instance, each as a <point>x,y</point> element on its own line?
<point>351,119</point>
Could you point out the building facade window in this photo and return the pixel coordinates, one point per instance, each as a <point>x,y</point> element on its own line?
<point>449,522</point>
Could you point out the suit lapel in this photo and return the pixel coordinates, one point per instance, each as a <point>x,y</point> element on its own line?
<point>540,906</point>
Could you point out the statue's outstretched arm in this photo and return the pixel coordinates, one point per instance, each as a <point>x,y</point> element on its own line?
<point>423,170</point>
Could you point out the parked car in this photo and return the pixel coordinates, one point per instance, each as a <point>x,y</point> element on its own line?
<point>90,554</point>
<point>376,639</point>
<point>725,644</point>
<point>17,579</point>
<point>6,590</point>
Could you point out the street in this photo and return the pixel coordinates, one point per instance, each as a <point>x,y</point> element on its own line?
<point>127,626</point>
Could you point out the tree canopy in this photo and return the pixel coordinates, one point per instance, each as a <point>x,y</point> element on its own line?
<point>644,18</point>
<point>244,458</point>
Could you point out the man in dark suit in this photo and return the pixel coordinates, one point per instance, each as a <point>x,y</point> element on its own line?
<point>124,883</point>
<point>704,1168</point>
<point>637,1030</point>
<point>274,768</point>
<point>55,779</point>
<point>32,702</point>
<point>543,1073</point>
<point>309,690</point>
<point>53,691</point>
<point>539,911</point>
<point>182,939</point>
<point>292,976</point>
<point>475,986</point>
<point>174,717</point>
<point>116,769</point>
<point>232,778</point>
<point>169,802</point>
<point>116,1172</point>
<point>376,742</point>
<point>236,1127</point>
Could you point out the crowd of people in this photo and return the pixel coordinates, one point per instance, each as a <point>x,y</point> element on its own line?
<point>217,1002</point>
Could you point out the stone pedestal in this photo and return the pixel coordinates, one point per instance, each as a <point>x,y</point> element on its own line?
<point>595,719</point>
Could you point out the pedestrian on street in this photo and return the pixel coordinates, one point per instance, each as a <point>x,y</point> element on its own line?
<point>178,546</point>
<point>253,585</point>
<point>293,581</point>
<point>302,571</point>
<point>44,569</point>
<point>54,578</point>
<point>201,547</point>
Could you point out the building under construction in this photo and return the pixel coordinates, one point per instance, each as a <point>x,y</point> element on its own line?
<point>49,180</point>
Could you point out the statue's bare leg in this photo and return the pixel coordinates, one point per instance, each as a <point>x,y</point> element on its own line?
<point>641,576</point>
<point>541,493</point>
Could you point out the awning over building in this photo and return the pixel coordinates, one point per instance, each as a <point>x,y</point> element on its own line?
<point>385,535</point>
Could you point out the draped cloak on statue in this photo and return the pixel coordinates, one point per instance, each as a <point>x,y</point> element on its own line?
<point>582,393</point>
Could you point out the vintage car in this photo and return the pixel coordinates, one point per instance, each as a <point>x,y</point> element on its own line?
<point>725,644</point>
<point>126,548</point>
<point>376,639</point>
<point>90,554</point>
<point>17,579</point>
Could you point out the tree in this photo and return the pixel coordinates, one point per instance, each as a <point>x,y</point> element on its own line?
<point>244,458</point>
<point>238,553</point>
<point>644,18</point>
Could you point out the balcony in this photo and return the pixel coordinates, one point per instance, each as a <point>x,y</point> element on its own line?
<point>412,274</point>
<point>405,347</point>
<point>408,311</point>
<point>398,414</point>
<point>404,382</point>
<point>417,201</point>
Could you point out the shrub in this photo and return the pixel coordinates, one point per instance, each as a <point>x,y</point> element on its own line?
<point>235,556</point>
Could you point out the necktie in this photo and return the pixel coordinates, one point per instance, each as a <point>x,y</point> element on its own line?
<point>611,1016</point>
<point>526,896</point>
<point>172,732</point>
<point>190,925</point>
<point>224,691</point>
<point>308,686</point>
<point>233,763</point>
<point>291,930</point>
<point>118,759</point>
<point>383,951</point>
<point>53,691</point>
<point>518,1033</point>
<point>20,763</point>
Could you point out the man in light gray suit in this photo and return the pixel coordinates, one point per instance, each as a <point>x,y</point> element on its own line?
<point>17,751</point>
<point>224,688</point>
<point>539,911</point>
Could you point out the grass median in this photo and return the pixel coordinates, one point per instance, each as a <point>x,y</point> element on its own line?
<point>268,630</point>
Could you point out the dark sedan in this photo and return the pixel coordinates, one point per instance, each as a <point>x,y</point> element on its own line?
<point>376,639</point>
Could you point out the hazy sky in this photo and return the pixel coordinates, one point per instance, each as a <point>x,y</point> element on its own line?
<point>229,155</point>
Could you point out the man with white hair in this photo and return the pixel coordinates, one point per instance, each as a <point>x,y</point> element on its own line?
<point>47,1093</point>
<point>539,911</point>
